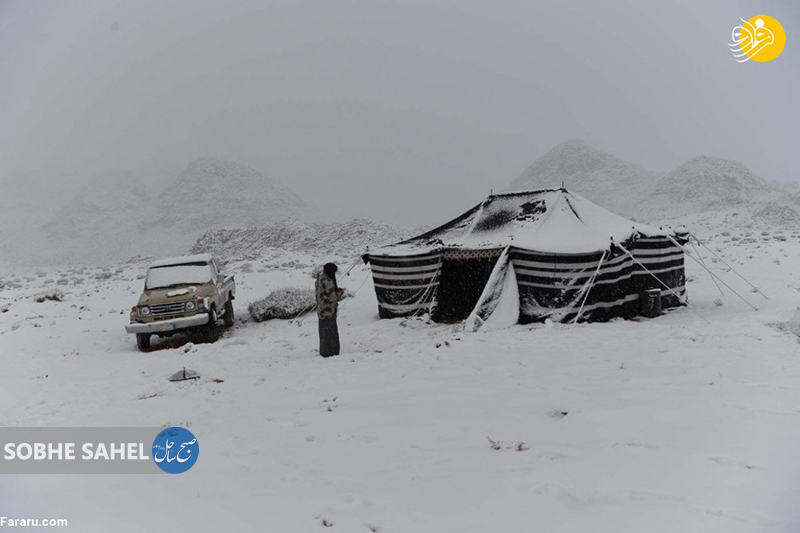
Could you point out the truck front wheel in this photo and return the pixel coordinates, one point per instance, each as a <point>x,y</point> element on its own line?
<point>143,341</point>
<point>210,329</point>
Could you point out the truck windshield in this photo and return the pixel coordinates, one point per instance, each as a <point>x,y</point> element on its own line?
<point>171,276</point>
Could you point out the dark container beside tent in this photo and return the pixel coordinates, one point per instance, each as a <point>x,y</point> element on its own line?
<point>651,303</point>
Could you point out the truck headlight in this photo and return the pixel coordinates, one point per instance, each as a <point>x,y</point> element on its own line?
<point>190,306</point>
<point>144,311</point>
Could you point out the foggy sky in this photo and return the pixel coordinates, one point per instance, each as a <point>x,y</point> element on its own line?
<point>397,111</point>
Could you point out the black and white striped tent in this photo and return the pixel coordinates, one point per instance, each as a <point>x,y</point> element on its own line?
<point>549,253</point>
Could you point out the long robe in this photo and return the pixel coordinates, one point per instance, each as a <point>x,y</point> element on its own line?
<point>327,308</point>
<point>328,337</point>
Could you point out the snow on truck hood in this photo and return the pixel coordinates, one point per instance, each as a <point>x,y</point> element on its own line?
<point>149,296</point>
<point>546,220</point>
<point>182,292</point>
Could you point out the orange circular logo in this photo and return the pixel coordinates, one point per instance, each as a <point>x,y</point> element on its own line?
<point>760,38</point>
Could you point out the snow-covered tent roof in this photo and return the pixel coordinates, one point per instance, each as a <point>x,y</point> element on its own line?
<point>546,220</point>
<point>533,255</point>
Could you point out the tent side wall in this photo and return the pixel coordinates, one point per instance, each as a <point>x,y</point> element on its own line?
<point>665,260</point>
<point>554,285</point>
<point>406,285</point>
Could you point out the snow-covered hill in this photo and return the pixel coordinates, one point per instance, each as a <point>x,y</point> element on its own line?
<point>713,192</point>
<point>342,238</point>
<point>213,193</point>
<point>606,180</point>
<point>706,182</point>
<point>722,190</point>
<point>106,210</point>
<point>116,215</point>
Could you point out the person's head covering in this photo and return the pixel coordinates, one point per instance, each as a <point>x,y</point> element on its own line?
<point>330,270</point>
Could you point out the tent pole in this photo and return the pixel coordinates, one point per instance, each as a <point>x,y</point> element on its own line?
<point>590,284</point>
<point>678,296</point>
<point>756,289</point>
<point>713,276</point>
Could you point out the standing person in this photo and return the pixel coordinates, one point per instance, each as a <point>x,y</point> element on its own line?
<point>328,296</point>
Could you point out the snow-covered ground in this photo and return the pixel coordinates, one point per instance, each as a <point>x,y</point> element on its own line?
<point>668,424</point>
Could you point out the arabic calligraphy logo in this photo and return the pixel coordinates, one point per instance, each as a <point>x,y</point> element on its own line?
<point>761,39</point>
<point>175,450</point>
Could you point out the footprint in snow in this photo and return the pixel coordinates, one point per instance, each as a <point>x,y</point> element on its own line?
<point>727,461</point>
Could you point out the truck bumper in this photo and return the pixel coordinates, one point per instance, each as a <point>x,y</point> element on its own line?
<point>172,324</point>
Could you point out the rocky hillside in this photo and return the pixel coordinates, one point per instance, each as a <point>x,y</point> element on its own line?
<point>709,182</point>
<point>212,193</point>
<point>704,189</point>
<point>340,238</point>
<point>719,189</point>
<point>117,215</point>
<point>606,180</point>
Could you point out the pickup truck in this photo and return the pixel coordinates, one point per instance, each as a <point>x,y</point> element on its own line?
<point>182,293</point>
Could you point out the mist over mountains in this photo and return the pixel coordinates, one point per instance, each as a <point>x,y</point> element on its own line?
<point>212,193</point>
<point>596,175</point>
<point>231,208</point>
<point>701,188</point>
<point>115,216</point>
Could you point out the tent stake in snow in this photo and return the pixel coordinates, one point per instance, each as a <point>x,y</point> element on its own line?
<point>184,375</point>
<point>713,276</point>
<point>756,289</point>
<point>678,296</point>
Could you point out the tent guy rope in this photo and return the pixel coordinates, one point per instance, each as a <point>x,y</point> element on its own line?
<point>704,266</point>
<point>684,302</point>
<point>701,243</point>
<point>714,276</point>
<point>590,284</point>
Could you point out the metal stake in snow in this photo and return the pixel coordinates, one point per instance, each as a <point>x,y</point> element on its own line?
<point>756,289</point>
<point>678,296</point>
<point>184,375</point>
<point>715,277</point>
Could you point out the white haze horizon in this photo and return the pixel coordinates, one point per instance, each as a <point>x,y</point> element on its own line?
<point>155,183</point>
<point>364,110</point>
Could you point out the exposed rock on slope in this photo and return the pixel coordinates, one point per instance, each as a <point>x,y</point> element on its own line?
<point>342,238</point>
<point>705,181</point>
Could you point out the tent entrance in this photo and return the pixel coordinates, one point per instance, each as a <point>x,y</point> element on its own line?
<point>461,283</point>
